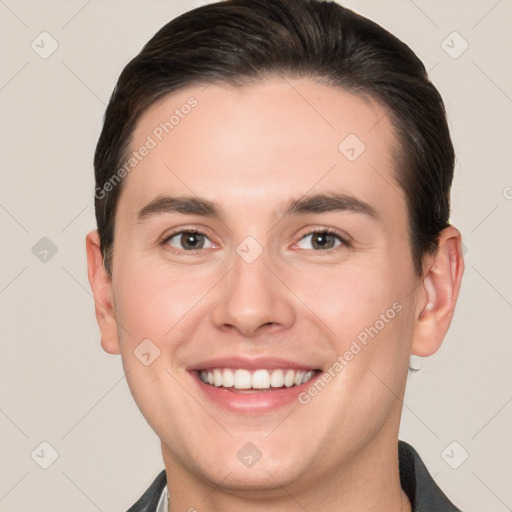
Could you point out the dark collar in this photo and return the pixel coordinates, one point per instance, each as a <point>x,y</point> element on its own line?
<point>149,500</point>
<point>423,492</point>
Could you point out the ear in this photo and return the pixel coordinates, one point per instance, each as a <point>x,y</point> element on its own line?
<point>438,294</point>
<point>101,285</point>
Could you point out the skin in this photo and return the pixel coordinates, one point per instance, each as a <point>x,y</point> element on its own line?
<point>252,150</point>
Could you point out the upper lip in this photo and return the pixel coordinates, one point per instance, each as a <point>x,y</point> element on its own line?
<point>255,363</point>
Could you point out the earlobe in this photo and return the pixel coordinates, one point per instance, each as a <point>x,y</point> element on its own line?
<point>438,294</point>
<point>101,285</point>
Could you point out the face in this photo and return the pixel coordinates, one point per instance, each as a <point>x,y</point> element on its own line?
<point>261,245</point>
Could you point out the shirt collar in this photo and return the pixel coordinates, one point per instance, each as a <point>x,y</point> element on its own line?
<point>163,502</point>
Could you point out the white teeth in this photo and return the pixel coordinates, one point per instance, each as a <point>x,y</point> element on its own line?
<point>261,379</point>
<point>228,378</point>
<point>307,376</point>
<point>217,378</point>
<point>258,379</point>
<point>298,378</point>
<point>242,379</point>
<point>289,378</point>
<point>277,379</point>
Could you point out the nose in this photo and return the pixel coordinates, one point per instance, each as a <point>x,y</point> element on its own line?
<point>252,299</point>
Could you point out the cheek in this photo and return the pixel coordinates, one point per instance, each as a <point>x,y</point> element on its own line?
<point>350,301</point>
<point>369,316</point>
<point>157,313</point>
<point>151,301</point>
<point>375,356</point>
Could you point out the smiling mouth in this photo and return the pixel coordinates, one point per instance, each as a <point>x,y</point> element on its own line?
<point>255,380</point>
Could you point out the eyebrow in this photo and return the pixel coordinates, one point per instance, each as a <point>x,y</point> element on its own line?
<point>320,203</point>
<point>317,203</point>
<point>185,205</point>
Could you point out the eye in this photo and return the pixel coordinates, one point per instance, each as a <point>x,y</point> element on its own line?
<point>189,240</point>
<point>322,240</point>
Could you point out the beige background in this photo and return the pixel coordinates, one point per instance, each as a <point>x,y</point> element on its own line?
<point>58,386</point>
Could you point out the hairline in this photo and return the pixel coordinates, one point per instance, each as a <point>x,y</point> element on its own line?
<point>242,82</point>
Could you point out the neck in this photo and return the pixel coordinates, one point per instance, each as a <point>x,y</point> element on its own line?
<point>368,481</point>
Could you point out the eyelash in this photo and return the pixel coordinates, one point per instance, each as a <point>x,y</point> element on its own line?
<point>181,232</point>
<point>329,231</point>
<point>344,242</point>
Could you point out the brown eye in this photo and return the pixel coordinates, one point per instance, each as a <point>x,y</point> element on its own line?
<point>321,240</point>
<point>188,241</point>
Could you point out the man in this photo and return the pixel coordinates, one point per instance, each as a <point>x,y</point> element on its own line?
<point>273,244</point>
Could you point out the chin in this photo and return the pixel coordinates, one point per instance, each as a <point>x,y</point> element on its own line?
<point>264,476</point>
<point>251,463</point>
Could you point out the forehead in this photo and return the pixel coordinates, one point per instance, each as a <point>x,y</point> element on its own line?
<point>279,137</point>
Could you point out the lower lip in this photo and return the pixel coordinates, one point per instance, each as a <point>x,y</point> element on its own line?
<point>253,402</point>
